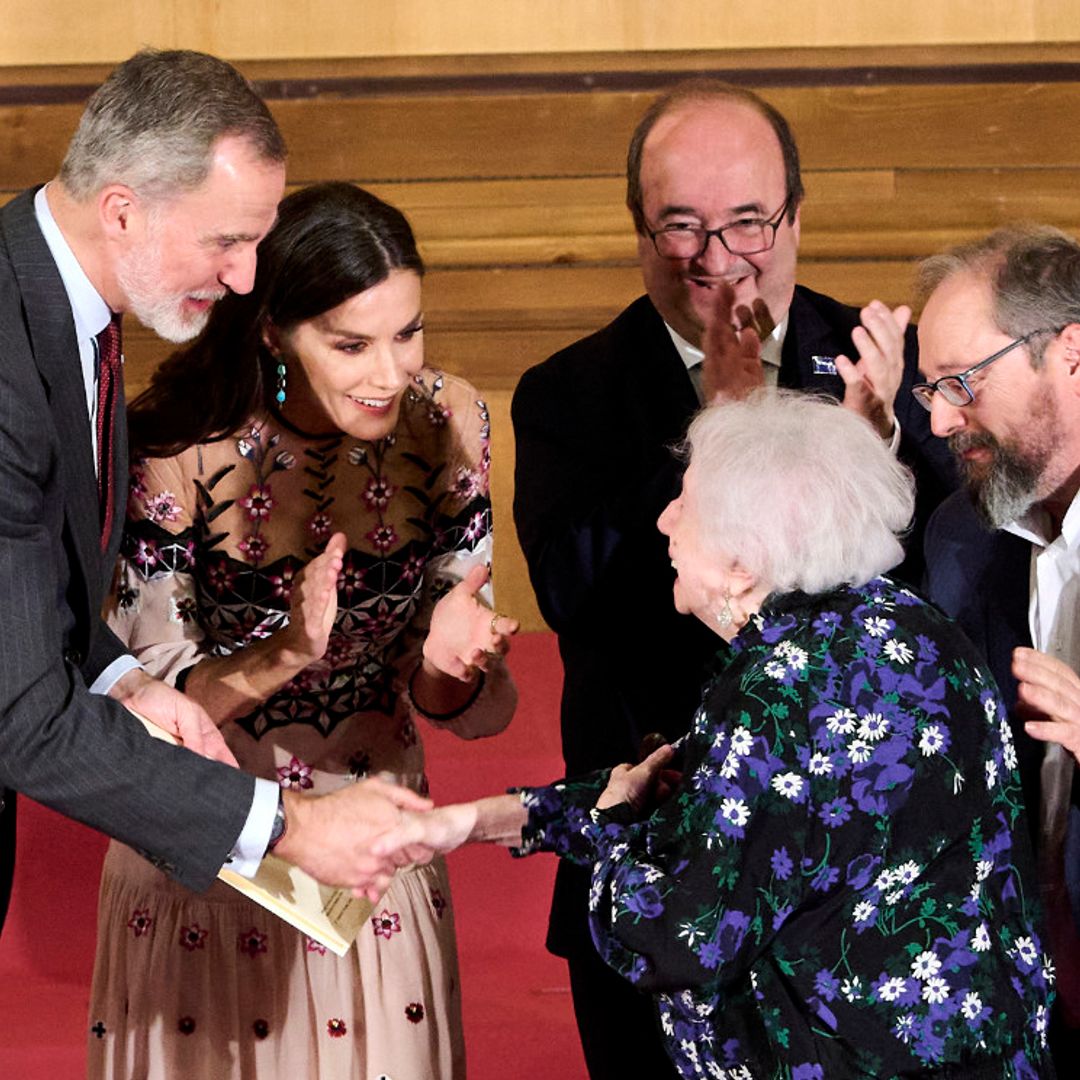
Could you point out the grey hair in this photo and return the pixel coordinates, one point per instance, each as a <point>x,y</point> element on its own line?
<point>1034,277</point>
<point>800,491</point>
<point>153,124</point>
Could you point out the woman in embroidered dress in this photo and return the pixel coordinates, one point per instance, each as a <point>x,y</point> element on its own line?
<point>839,883</point>
<point>307,549</point>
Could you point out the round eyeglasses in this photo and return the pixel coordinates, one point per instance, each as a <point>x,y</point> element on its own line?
<point>747,236</point>
<point>956,389</point>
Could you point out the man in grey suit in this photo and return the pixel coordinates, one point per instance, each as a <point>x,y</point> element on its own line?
<point>169,183</point>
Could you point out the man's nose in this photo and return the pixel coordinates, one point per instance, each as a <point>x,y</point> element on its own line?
<point>238,273</point>
<point>716,259</point>
<point>945,418</point>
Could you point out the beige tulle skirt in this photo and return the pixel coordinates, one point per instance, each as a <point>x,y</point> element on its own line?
<point>202,987</point>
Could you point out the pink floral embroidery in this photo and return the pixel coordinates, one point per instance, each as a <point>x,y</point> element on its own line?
<point>350,579</point>
<point>321,526</point>
<point>387,924</point>
<point>476,528</point>
<point>254,548</point>
<point>219,577</point>
<point>193,937</point>
<point>259,502</point>
<point>378,493</point>
<point>413,568</point>
<point>184,610</point>
<point>382,537</point>
<point>335,1028</point>
<point>296,775</point>
<point>414,1012</point>
<point>315,946</point>
<point>438,415</point>
<point>251,943</point>
<point>466,484</point>
<point>146,556</point>
<point>161,507</point>
<point>140,922</point>
<point>283,582</point>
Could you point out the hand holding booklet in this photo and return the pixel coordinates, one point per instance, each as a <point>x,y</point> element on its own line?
<point>329,915</point>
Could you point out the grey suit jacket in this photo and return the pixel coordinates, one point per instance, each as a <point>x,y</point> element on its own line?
<point>80,753</point>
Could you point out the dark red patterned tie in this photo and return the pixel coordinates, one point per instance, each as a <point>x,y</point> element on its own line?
<point>110,397</point>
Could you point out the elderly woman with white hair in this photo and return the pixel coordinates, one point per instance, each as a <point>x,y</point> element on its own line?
<point>837,883</point>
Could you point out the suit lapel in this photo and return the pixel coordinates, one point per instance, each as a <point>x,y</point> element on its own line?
<point>52,338</point>
<point>809,335</point>
<point>663,390</point>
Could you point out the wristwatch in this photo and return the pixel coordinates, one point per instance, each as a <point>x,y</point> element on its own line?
<point>277,830</point>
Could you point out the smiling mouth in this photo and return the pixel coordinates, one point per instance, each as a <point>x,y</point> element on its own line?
<point>371,403</point>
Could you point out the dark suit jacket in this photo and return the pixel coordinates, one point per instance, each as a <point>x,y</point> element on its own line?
<point>982,578</point>
<point>594,426</point>
<point>79,753</point>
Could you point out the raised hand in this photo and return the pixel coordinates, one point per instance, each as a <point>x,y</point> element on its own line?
<point>731,342</point>
<point>1051,689</point>
<point>871,383</point>
<point>313,604</point>
<point>465,634</point>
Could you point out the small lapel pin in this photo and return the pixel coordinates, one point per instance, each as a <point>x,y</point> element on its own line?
<point>824,365</point>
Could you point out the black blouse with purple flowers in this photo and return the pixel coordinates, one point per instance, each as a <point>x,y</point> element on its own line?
<point>842,884</point>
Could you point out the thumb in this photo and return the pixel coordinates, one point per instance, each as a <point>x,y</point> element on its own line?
<point>847,371</point>
<point>476,578</point>
<point>336,544</point>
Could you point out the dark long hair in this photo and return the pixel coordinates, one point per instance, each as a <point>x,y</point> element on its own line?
<point>331,241</point>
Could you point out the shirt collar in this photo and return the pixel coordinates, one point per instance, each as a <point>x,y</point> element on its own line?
<point>1034,526</point>
<point>771,347</point>
<point>89,310</point>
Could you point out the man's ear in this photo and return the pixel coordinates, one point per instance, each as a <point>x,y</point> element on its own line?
<point>118,207</point>
<point>1069,342</point>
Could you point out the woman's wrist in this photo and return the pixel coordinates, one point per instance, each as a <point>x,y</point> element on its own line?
<point>438,696</point>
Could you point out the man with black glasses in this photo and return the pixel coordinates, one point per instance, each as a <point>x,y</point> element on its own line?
<point>714,188</point>
<point>1000,340</point>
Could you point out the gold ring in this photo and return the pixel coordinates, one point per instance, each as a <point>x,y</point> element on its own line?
<point>494,619</point>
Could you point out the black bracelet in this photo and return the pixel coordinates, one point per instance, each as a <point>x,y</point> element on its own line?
<point>453,714</point>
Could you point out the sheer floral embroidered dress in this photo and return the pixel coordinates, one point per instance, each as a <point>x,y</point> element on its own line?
<point>212,986</point>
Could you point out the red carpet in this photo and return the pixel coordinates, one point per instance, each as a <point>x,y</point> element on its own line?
<point>518,1018</point>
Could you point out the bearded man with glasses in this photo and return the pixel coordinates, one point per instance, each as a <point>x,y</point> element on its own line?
<point>1003,553</point>
<point>714,189</point>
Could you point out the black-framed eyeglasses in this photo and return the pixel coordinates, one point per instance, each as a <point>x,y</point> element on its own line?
<point>956,389</point>
<point>747,236</point>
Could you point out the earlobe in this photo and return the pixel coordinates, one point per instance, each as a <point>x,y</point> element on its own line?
<point>271,339</point>
<point>116,203</point>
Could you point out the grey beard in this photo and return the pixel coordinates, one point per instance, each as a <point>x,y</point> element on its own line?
<point>1007,489</point>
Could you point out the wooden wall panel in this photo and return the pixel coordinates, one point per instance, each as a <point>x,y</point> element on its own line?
<point>68,31</point>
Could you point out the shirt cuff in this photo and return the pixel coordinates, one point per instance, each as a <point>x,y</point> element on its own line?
<point>250,846</point>
<point>114,673</point>
<point>894,439</point>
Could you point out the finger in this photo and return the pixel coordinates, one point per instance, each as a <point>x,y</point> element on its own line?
<point>476,579</point>
<point>848,371</point>
<point>335,546</point>
<point>744,317</point>
<point>405,798</point>
<point>1049,731</point>
<point>764,323</point>
<point>411,831</point>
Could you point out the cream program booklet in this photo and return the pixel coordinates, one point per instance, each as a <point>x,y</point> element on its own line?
<point>331,916</point>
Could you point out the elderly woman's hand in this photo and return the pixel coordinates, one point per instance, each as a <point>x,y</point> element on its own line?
<point>643,786</point>
<point>1051,688</point>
